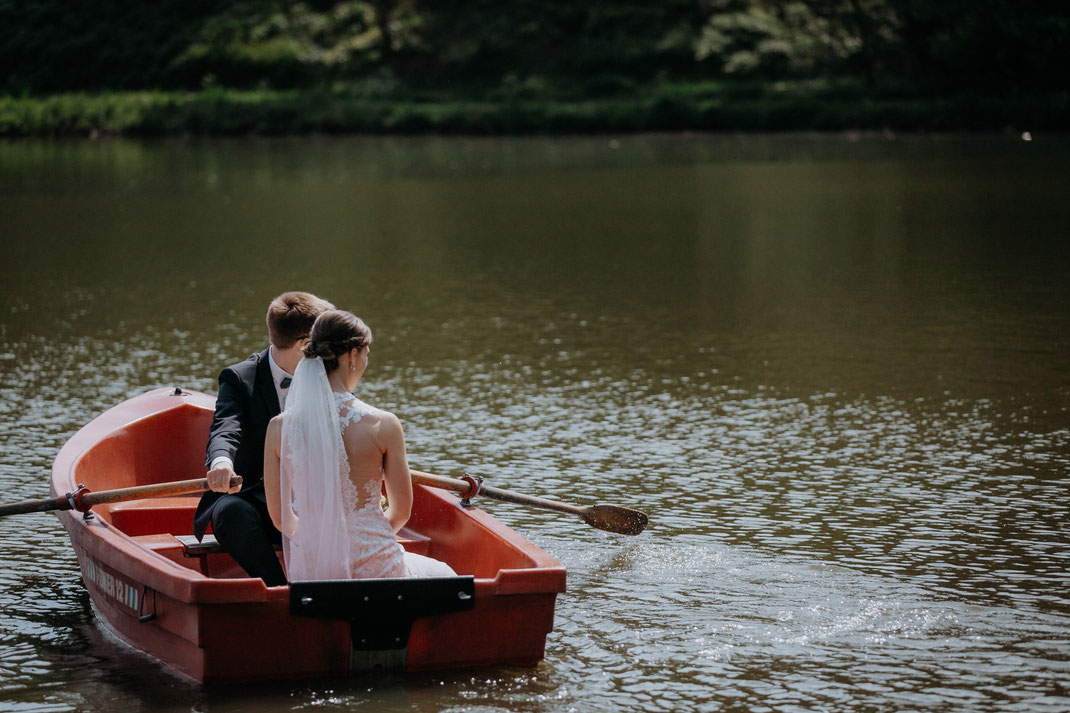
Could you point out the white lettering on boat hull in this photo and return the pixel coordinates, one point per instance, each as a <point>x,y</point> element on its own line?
<point>111,585</point>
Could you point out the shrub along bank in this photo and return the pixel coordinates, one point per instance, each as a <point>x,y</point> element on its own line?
<point>681,107</point>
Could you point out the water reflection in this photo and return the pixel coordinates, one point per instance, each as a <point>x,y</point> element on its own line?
<point>833,373</point>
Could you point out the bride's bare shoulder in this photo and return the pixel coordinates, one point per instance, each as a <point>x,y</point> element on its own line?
<point>389,419</point>
<point>274,430</point>
<point>387,429</point>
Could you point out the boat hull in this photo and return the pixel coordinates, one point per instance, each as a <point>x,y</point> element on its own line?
<point>202,616</point>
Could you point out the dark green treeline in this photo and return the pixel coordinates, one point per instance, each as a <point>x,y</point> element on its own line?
<point>999,55</point>
<point>63,45</point>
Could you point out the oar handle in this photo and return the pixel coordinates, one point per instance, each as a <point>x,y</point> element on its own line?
<point>157,490</point>
<point>466,488</point>
<point>83,499</point>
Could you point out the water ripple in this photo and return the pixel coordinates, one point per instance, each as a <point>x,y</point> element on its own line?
<point>837,387</point>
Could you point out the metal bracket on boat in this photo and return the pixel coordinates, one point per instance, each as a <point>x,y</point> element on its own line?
<point>476,484</point>
<point>380,612</point>
<point>145,618</point>
<point>75,501</point>
<point>178,392</point>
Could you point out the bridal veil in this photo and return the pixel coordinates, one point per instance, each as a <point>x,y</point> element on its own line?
<point>312,464</point>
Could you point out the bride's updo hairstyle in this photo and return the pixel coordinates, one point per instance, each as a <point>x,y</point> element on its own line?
<point>334,333</point>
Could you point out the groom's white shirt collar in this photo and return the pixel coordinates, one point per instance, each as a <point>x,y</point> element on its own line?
<point>277,375</point>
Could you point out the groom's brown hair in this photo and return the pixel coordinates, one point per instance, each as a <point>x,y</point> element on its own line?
<point>290,317</point>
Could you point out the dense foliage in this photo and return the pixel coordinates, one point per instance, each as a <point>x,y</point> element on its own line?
<point>531,48</point>
<point>482,66</point>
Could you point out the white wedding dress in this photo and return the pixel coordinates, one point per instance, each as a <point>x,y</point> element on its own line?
<point>333,527</point>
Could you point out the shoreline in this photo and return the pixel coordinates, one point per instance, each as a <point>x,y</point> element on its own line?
<point>669,109</point>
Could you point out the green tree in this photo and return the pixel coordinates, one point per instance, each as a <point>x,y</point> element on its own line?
<point>486,40</point>
<point>776,39</point>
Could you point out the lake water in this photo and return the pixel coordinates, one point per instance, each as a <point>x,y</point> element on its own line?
<point>835,372</point>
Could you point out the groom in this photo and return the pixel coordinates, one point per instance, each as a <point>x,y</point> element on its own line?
<point>251,394</point>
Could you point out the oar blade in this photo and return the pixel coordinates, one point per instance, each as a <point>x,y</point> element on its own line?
<point>614,518</point>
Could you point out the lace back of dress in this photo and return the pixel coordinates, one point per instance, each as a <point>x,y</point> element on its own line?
<point>350,411</point>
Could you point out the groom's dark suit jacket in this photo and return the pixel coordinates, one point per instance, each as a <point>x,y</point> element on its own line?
<point>247,401</point>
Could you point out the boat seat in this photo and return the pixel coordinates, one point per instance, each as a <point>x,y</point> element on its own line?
<point>157,543</point>
<point>154,515</point>
<point>192,547</point>
<point>411,540</point>
<point>139,518</point>
<point>169,546</point>
<point>199,551</point>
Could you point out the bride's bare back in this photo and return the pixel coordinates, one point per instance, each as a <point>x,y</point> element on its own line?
<point>374,442</point>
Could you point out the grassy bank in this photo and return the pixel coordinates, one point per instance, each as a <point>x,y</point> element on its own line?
<point>694,107</point>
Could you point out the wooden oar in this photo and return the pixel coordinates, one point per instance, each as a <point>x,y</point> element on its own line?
<point>84,498</point>
<point>612,518</point>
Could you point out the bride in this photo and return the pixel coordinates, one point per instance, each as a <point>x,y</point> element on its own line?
<point>325,460</point>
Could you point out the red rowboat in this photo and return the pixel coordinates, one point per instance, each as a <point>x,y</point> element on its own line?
<point>195,610</point>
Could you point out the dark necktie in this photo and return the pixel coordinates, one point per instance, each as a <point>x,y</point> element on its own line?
<point>285,384</point>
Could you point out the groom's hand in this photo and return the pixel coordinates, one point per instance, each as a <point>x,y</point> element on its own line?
<point>219,479</point>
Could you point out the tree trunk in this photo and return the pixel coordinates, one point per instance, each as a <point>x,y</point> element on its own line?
<point>383,11</point>
<point>865,37</point>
